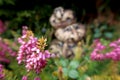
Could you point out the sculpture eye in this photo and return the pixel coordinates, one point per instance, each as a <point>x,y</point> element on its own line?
<point>51,48</point>
<point>76,27</point>
<point>60,44</point>
<point>68,18</point>
<point>54,21</point>
<point>56,10</point>
<point>67,29</point>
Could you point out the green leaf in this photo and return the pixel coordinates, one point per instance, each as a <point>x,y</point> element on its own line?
<point>74,64</point>
<point>97,30</point>
<point>64,63</point>
<point>104,42</point>
<point>92,26</point>
<point>104,27</point>
<point>86,58</point>
<point>73,74</point>
<point>65,71</point>
<point>108,34</point>
<point>97,35</point>
<point>84,77</point>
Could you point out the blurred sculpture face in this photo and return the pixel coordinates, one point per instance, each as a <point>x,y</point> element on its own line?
<point>62,18</point>
<point>74,33</point>
<point>56,47</point>
<point>61,49</point>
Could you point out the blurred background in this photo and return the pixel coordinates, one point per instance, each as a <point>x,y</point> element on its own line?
<point>36,14</point>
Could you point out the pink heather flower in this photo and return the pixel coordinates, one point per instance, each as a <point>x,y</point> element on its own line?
<point>37,78</point>
<point>98,45</point>
<point>2,27</point>
<point>1,72</point>
<point>4,60</point>
<point>96,56</point>
<point>25,28</point>
<point>96,41</point>
<point>4,49</point>
<point>114,54</point>
<point>113,45</point>
<point>99,57</point>
<point>111,55</point>
<point>118,41</point>
<point>37,61</point>
<point>24,78</point>
<point>30,54</point>
<point>93,56</point>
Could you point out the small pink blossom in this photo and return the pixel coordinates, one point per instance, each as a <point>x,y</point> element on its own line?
<point>1,72</point>
<point>4,49</point>
<point>24,78</point>
<point>37,78</point>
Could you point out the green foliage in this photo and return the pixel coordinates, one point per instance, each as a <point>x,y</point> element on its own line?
<point>102,30</point>
<point>74,64</point>
<point>73,74</point>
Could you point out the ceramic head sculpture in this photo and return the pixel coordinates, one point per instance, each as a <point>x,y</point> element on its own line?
<point>62,17</point>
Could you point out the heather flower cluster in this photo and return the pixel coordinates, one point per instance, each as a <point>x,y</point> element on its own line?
<point>4,49</point>
<point>100,53</point>
<point>31,51</point>
<point>1,72</point>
